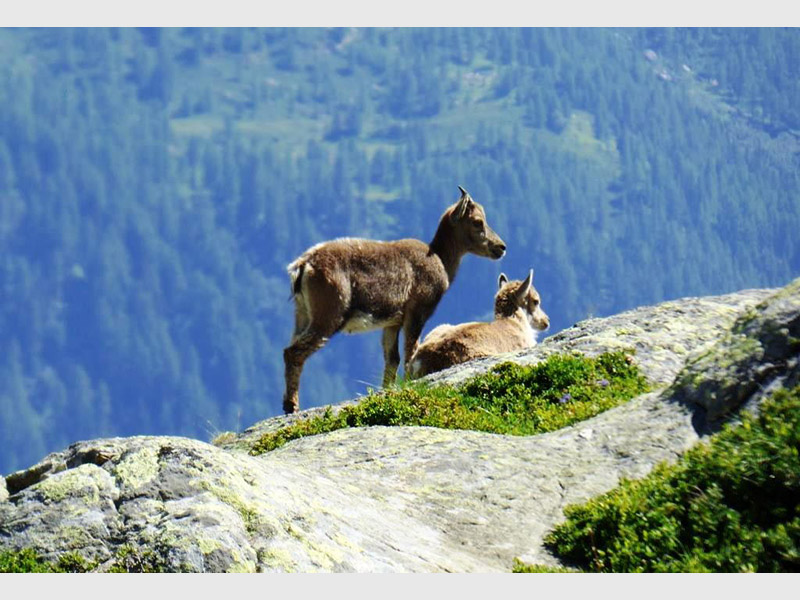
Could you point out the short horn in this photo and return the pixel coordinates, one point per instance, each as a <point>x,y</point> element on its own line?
<point>525,287</point>
<point>461,207</point>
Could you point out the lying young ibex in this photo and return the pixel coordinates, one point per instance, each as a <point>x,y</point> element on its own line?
<point>518,315</point>
<point>356,285</point>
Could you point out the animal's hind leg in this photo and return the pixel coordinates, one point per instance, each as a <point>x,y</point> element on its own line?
<point>391,354</point>
<point>301,318</point>
<point>319,313</point>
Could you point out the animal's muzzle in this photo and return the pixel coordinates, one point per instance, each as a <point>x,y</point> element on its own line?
<point>498,251</point>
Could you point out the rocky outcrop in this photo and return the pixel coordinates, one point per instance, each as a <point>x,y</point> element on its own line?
<point>408,499</point>
<point>757,355</point>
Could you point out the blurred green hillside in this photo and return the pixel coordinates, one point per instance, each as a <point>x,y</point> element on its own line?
<point>154,183</point>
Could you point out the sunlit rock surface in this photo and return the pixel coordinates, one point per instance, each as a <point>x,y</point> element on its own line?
<point>403,498</point>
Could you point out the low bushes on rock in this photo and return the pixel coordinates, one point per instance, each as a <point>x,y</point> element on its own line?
<point>509,399</point>
<point>730,505</point>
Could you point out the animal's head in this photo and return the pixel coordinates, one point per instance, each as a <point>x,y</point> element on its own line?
<point>518,295</point>
<point>471,229</point>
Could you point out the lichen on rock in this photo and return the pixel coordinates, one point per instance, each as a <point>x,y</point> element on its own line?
<point>85,483</point>
<point>137,468</point>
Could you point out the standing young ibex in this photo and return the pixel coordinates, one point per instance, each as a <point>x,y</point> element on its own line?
<point>356,285</point>
<point>518,315</point>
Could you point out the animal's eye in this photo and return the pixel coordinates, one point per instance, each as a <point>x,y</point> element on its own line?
<point>477,224</point>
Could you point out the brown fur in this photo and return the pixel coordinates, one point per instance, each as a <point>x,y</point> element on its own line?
<point>517,313</point>
<point>355,285</point>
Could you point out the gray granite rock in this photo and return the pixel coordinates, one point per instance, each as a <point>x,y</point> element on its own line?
<point>405,498</point>
<point>761,351</point>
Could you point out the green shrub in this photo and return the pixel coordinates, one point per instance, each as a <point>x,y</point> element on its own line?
<point>509,399</point>
<point>29,561</point>
<point>126,560</point>
<point>730,505</point>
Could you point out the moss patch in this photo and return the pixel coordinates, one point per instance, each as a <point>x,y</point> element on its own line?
<point>509,399</point>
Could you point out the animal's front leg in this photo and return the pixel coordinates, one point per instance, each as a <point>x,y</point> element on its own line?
<point>412,329</point>
<point>391,354</point>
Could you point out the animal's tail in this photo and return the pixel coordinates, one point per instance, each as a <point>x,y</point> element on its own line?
<point>295,270</point>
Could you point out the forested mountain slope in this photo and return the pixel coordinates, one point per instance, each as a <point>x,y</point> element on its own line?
<point>155,183</point>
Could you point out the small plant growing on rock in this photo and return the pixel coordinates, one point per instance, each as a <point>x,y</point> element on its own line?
<point>130,560</point>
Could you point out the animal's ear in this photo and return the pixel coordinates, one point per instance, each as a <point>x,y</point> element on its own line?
<point>502,280</point>
<point>463,205</point>
<point>523,290</point>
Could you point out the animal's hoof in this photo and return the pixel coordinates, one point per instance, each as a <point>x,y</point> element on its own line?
<point>290,407</point>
